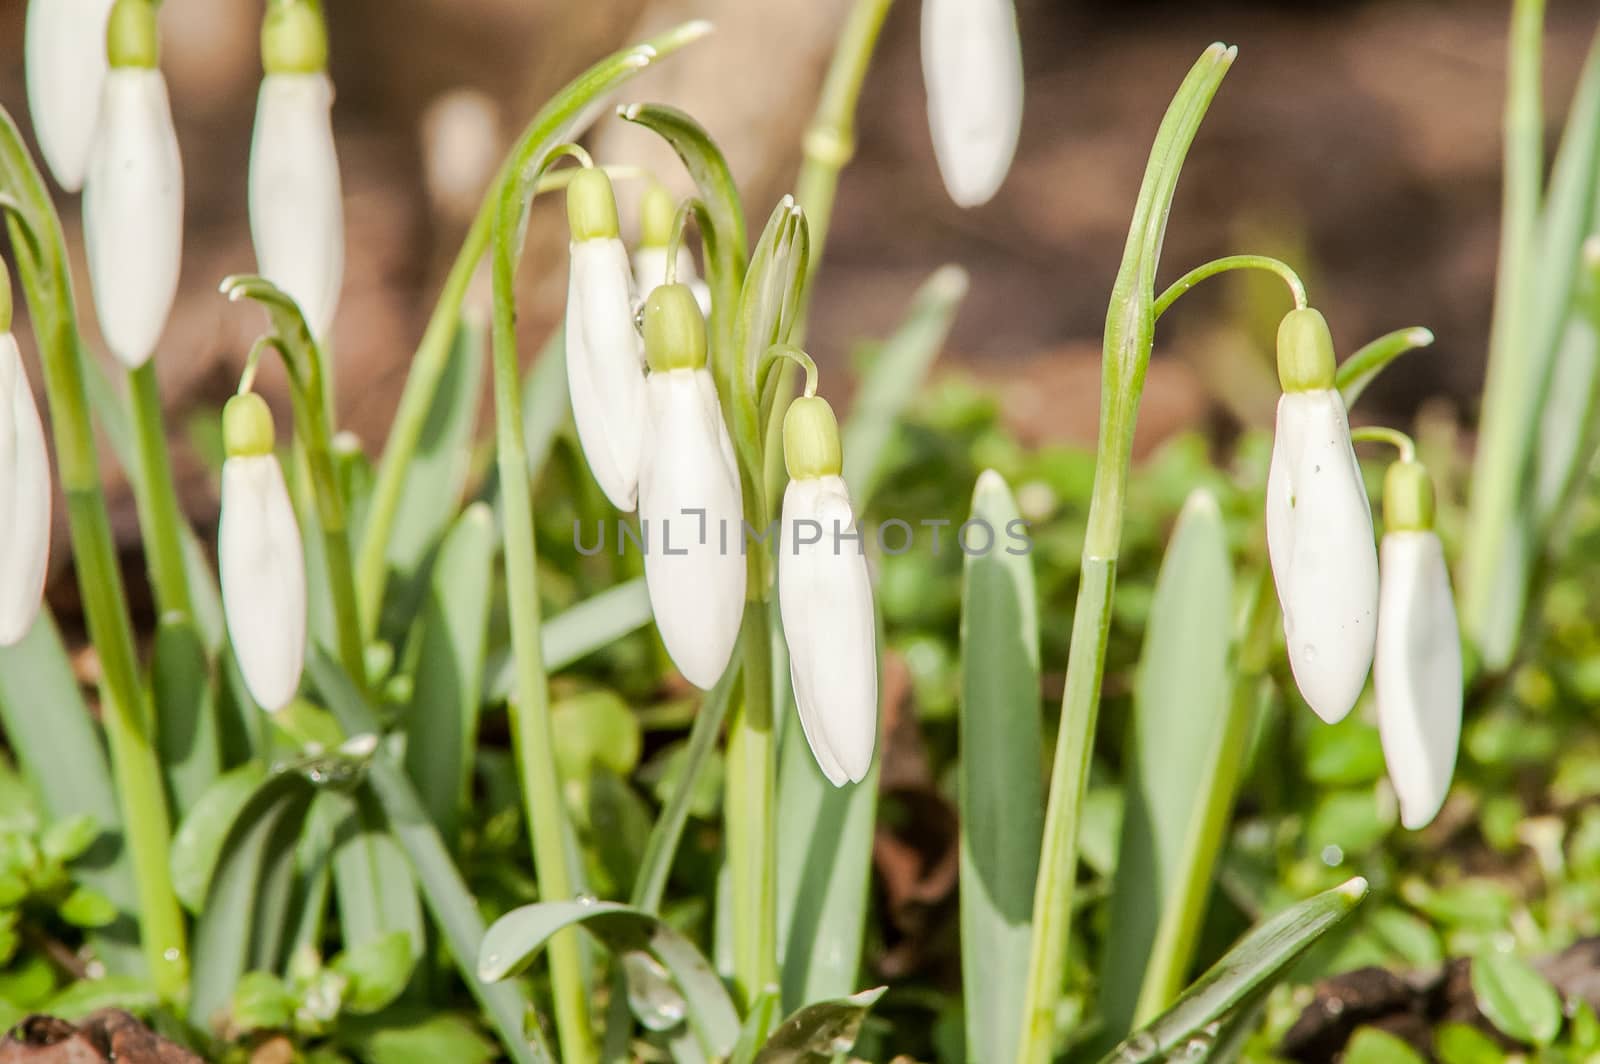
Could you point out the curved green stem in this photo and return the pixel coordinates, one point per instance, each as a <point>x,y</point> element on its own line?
<point>786,355</point>
<point>1382,434</point>
<point>1297,288</point>
<point>680,222</point>
<point>160,513</point>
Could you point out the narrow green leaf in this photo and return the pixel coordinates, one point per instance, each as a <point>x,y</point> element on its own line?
<point>595,623</point>
<point>516,938</point>
<point>1253,964</point>
<point>454,909</point>
<point>186,712</point>
<point>1002,784</point>
<point>1519,1001</point>
<point>761,1016</point>
<point>200,836</point>
<point>894,378</point>
<point>820,1032</point>
<point>442,727</point>
<point>1363,367</point>
<point>372,880</point>
<point>545,403</point>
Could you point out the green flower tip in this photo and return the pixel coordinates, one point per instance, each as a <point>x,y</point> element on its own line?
<point>131,38</point>
<point>1305,352</point>
<point>811,439</point>
<point>247,426</point>
<point>674,329</point>
<point>657,211</point>
<point>592,206</point>
<point>294,39</point>
<point>1408,498</point>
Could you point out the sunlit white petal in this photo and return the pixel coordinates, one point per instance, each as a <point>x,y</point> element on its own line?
<point>296,203</point>
<point>24,499</point>
<point>1324,561</point>
<point>263,575</point>
<point>972,66</point>
<point>1417,673</point>
<point>133,213</point>
<point>693,565</point>
<point>605,367</point>
<point>825,596</point>
<point>65,54</point>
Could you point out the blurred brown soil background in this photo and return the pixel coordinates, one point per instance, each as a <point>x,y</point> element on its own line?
<point>1360,140</point>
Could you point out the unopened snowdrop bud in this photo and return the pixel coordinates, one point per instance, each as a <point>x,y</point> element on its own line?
<point>133,192</point>
<point>259,555</point>
<point>1319,526</point>
<point>972,67</point>
<point>1417,672</point>
<point>825,596</point>
<point>65,53</point>
<point>605,371</point>
<point>24,488</point>
<point>296,201</point>
<point>657,212</point>
<point>689,503</point>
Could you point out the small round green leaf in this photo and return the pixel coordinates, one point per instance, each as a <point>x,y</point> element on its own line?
<point>1519,1001</point>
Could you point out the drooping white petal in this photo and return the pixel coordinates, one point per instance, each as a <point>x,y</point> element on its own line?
<point>24,499</point>
<point>133,213</point>
<point>605,367</point>
<point>296,202</point>
<point>693,565</point>
<point>1324,561</point>
<point>972,67</point>
<point>825,596</point>
<point>65,54</point>
<point>650,272</point>
<point>263,575</point>
<point>1417,673</point>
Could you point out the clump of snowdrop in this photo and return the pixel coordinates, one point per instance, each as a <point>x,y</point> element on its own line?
<point>260,560</point>
<point>972,67</point>
<point>64,51</point>
<point>24,488</point>
<point>690,506</point>
<point>133,191</point>
<point>657,218</point>
<point>296,202</point>
<point>1417,672</point>
<point>605,364</point>
<point>825,597</point>
<point>1319,526</point>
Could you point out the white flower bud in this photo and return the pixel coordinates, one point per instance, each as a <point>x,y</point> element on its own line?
<point>825,595</point>
<point>972,67</point>
<point>1320,540</point>
<point>692,515</point>
<point>605,366</point>
<point>24,498</point>
<point>65,54</point>
<point>260,560</point>
<point>133,213</point>
<point>296,203</point>
<point>1417,673</point>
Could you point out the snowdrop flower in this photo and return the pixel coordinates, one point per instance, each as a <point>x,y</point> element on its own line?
<point>690,508</point>
<point>296,205</point>
<point>1417,671</point>
<point>65,53</point>
<point>972,66</point>
<point>658,212</point>
<point>1319,526</point>
<point>259,556</point>
<point>24,488</point>
<point>825,596</point>
<point>133,192</point>
<point>605,367</point>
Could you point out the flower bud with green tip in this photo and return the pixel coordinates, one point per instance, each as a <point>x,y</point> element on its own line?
<point>1417,672</point>
<point>690,507</point>
<point>825,596</point>
<point>64,51</point>
<point>1319,526</point>
<point>972,67</point>
<point>260,559</point>
<point>605,364</point>
<point>658,213</point>
<point>296,198</point>
<point>25,496</point>
<point>133,192</point>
